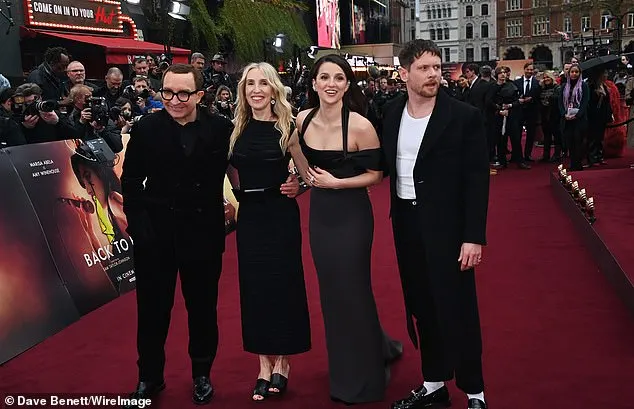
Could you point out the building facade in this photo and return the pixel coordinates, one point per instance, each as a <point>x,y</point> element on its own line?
<point>438,20</point>
<point>550,32</point>
<point>477,39</point>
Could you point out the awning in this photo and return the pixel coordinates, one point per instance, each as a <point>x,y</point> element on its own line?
<point>119,50</point>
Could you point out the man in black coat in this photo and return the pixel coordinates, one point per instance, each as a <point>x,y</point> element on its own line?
<point>172,182</point>
<point>530,93</point>
<point>437,158</point>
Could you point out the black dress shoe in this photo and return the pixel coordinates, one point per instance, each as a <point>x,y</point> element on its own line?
<point>203,391</point>
<point>144,390</point>
<point>476,404</point>
<point>419,399</point>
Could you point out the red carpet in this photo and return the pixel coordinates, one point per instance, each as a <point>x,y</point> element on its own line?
<point>555,334</point>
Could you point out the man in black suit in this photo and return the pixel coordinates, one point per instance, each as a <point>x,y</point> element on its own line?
<point>529,99</point>
<point>478,88</point>
<point>172,182</point>
<point>436,153</point>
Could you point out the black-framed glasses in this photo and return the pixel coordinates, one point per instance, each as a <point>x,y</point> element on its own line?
<point>182,96</point>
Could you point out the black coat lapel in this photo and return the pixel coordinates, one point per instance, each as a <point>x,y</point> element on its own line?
<point>440,117</point>
<point>390,131</point>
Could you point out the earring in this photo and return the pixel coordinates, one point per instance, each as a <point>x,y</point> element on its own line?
<point>272,102</point>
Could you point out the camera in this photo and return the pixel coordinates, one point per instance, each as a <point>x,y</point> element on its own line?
<point>98,110</point>
<point>164,62</point>
<point>24,109</point>
<point>130,93</point>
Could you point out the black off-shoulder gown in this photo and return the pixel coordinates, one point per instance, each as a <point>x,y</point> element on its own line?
<point>273,302</point>
<point>341,234</point>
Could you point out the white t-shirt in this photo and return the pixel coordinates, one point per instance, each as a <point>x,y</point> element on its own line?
<point>410,137</point>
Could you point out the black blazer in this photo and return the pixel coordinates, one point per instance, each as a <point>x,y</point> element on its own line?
<point>167,190</point>
<point>451,174</point>
<point>477,94</point>
<point>530,108</point>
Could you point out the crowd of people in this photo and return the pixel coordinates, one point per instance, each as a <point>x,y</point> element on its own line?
<point>437,139</point>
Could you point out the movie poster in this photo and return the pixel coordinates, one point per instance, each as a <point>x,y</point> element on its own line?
<point>34,303</point>
<point>80,206</point>
<point>328,24</point>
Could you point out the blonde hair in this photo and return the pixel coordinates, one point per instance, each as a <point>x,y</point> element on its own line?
<point>281,109</point>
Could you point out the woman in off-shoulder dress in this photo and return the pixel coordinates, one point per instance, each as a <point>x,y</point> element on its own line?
<point>337,152</point>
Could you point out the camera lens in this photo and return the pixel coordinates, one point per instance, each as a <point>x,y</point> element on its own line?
<point>46,106</point>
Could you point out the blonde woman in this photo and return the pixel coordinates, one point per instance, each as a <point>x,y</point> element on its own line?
<point>275,321</point>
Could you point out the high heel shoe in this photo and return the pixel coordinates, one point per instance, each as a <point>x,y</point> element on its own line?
<point>279,382</point>
<point>261,389</point>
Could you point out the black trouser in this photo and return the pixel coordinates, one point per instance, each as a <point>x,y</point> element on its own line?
<point>447,348</point>
<point>573,136</point>
<point>530,122</point>
<point>596,133</point>
<point>156,267</point>
<point>552,131</point>
<point>513,131</point>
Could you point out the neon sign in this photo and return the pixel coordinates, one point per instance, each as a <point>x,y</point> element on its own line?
<point>87,15</point>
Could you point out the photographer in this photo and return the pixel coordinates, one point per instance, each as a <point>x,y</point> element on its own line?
<point>142,69</point>
<point>143,96</point>
<point>40,122</point>
<point>215,75</point>
<point>113,88</point>
<point>10,132</point>
<point>123,107</point>
<point>91,118</point>
<point>50,75</point>
<point>224,102</point>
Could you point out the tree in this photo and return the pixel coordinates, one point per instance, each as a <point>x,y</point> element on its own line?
<point>247,24</point>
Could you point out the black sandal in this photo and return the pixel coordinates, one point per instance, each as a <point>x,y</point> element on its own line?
<point>261,389</point>
<point>279,382</point>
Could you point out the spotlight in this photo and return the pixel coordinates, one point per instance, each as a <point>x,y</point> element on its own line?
<point>278,43</point>
<point>179,10</point>
<point>312,51</point>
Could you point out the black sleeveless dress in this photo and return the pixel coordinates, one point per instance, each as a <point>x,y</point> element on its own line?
<point>273,302</point>
<point>341,234</point>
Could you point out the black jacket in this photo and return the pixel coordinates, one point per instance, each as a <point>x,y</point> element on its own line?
<point>165,185</point>
<point>52,85</point>
<point>110,133</point>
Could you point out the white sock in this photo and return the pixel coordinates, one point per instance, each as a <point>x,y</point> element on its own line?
<point>432,386</point>
<point>476,396</point>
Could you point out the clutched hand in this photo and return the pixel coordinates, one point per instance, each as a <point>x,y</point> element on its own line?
<point>290,188</point>
<point>470,256</point>
<point>321,178</point>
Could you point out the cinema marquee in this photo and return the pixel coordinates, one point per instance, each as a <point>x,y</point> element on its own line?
<point>87,15</point>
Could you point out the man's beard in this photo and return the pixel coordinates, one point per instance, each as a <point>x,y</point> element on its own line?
<point>427,92</point>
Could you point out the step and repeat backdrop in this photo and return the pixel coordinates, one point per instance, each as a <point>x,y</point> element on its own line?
<point>64,250</point>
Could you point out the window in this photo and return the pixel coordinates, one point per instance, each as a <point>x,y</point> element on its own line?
<point>413,34</point>
<point>449,12</point>
<point>412,15</point>
<point>432,34</point>
<point>446,33</point>
<point>470,54</point>
<point>541,25</point>
<point>469,31</point>
<point>447,52</point>
<point>540,3</point>
<point>567,25</point>
<point>513,5</point>
<point>428,14</point>
<point>484,9</point>
<point>444,13</point>
<point>514,28</point>
<point>484,30</point>
<point>469,11</point>
<point>433,13</point>
<point>630,20</point>
<point>605,23</point>
<point>484,54</point>
<point>439,34</point>
<point>585,22</point>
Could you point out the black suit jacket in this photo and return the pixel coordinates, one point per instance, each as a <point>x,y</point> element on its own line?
<point>477,94</point>
<point>451,174</point>
<point>170,193</point>
<point>529,109</point>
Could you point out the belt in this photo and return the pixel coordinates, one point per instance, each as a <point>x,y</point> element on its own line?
<point>257,193</point>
